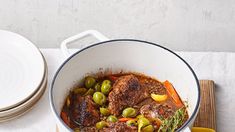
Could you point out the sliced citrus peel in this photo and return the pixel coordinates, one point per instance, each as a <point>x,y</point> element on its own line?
<point>159,98</point>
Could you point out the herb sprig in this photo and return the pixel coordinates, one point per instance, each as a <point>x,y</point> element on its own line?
<point>172,123</point>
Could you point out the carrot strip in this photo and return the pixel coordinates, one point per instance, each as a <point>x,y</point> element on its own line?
<point>65,118</point>
<point>125,119</point>
<point>171,91</point>
<point>158,122</point>
<point>161,111</point>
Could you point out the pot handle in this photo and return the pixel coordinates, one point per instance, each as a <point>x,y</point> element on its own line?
<point>81,35</point>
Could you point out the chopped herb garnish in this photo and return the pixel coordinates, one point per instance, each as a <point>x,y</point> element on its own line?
<point>172,123</point>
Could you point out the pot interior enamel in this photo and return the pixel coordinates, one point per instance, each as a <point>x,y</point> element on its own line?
<point>127,55</point>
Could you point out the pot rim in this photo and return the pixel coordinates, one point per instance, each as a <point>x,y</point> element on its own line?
<point>123,40</point>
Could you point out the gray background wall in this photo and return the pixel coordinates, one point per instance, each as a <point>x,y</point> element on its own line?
<point>192,25</point>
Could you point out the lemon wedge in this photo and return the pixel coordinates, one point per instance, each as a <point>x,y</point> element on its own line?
<point>159,98</point>
<point>201,129</point>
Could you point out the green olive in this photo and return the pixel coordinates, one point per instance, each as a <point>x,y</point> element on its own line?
<point>139,116</point>
<point>97,87</point>
<point>76,129</point>
<point>129,112</point>
<point>90,92</point>
<point>79,91</point>
<point>131,123</point>
<point>101,124</point>
<point>99,98</point>
<point>89,82</point>
<point>104,111</point>
<point>148,128</point>
<point>142,122</point>
<point>106,86</point>
<point>112,118</point>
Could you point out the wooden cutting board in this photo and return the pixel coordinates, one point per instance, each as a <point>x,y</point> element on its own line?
<point>206,116</point>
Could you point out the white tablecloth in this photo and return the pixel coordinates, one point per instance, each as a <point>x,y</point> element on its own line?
<point>219,67</point>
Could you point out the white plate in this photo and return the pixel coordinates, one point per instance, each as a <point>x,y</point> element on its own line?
<point>21,69</point>
<point>26,106</point>
<point>28,103</point>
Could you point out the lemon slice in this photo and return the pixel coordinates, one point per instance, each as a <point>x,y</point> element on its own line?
<point>159,98</point>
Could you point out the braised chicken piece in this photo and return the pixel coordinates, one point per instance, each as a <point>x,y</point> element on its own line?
<point>154,111</point>
<point>84,111</point>
<point>89,129</point>
<point>119,127</point>
<point>127,91</point>
<point>151,84</point>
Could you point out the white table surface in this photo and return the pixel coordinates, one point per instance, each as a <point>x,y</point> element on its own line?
<point>219,67</point>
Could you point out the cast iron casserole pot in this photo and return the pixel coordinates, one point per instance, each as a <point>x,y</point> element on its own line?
<point>123,55</point>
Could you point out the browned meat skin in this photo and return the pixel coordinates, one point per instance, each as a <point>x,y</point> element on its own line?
<point>148,100</point>
<point>84,111</point>
<point>155,110</point>
<point>153,85</point>
<point>119,127</point>
<point>89,129</point>
<point>126,93</point>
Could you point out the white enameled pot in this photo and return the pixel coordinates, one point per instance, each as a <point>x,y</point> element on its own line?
<point>127,55</point>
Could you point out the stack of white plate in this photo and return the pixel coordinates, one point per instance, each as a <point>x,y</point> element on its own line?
<point>23,75</point>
